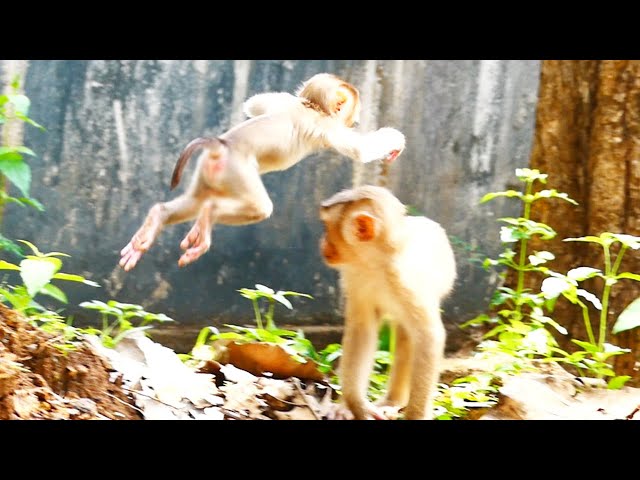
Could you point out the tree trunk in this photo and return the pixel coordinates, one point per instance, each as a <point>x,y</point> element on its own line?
<point>588,140</point>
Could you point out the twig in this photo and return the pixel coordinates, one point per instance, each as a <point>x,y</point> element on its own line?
<point>125,403</point>
<point>232,414</point>
<point>149,396</point>
<point>296,382</point>
<point>635,410</point>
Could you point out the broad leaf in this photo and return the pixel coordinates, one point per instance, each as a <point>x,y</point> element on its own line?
<point>629,318</point>
<point>21,104</point>
<point>17,171</point>
<point>582,273</point>
<point>617,383</point>
<point>628,240</point>
<point>37,272</point>
<point>552,287</point>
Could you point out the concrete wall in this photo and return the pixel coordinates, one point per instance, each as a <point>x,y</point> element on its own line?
<point>116,128</point>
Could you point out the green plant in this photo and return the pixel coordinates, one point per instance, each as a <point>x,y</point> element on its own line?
<point>14,107</point>
<point>523,317</point>
<point>262,292</point>
<point>473,391</point>
<point>37,271</point>
<point>122,314</point>
<point>520,322</point>
<point>594,352</point>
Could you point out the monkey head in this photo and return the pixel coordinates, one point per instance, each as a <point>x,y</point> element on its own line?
<point>332,96</point>
<point>361,226</point>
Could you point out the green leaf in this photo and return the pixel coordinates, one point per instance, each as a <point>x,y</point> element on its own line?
<point>541,257</point>
<point>530,175</point>
<point>75,278</point>
<point>629,318</point>
<point>26,119</point>
<point>54,292</point>
<point>19,149</point>
<point>617,383</point>
<point>552,287</point>
<point>553,193</point>
<point>33,248</point>
<point>588,238</point>
<point>589,347</point>
<point>17,171</point>
<point>10,246</point>
<point>37,272</point>
<point>4,265</point>
<point>280,298</point>
<point>492,195</point>
<point>264,289</point>
<point>582,273</point>
<point>295,294</point>
<point>628,240</point>
<point>31,202</point>
<point>591,297</point>
<point>21,104</point>
<point>630,276</point>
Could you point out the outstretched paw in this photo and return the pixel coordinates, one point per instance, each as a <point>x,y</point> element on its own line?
<point>384,144</point>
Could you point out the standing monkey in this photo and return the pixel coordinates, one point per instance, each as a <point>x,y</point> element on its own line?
<point>395,266</point>
<point>226,187</point>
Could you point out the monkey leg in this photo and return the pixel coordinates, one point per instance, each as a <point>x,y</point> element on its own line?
<point>359,344</point>
<point>181,209</point>
<point>400,379</point>
<point>429,338</point>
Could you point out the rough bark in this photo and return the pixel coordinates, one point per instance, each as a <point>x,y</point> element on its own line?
<point>587,139</point>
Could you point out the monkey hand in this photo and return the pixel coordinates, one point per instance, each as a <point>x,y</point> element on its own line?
<point>384,144</point>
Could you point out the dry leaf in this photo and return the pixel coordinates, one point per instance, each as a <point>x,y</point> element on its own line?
<point>259,358</point>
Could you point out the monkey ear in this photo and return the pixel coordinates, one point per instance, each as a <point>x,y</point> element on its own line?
<point>341,98</point>
<point>365,226</point>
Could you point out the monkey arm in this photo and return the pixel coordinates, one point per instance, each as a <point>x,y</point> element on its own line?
<point>264,103</point>
<point>383,144</point>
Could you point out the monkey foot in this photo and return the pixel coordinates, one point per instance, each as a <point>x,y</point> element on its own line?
<point>195,245</point>
<point>139,244</point>
<point>339,411</point>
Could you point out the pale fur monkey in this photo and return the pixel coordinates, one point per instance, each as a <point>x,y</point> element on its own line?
<point>226,187</point>
<point>391,266</point>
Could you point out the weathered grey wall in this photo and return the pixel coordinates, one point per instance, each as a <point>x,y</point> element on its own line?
<point>115,129</point>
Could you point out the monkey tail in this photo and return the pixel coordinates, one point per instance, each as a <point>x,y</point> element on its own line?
<point>200,142</point>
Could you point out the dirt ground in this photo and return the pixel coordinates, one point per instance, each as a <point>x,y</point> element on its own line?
<point>143,379</point>
<point>38,381</point>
